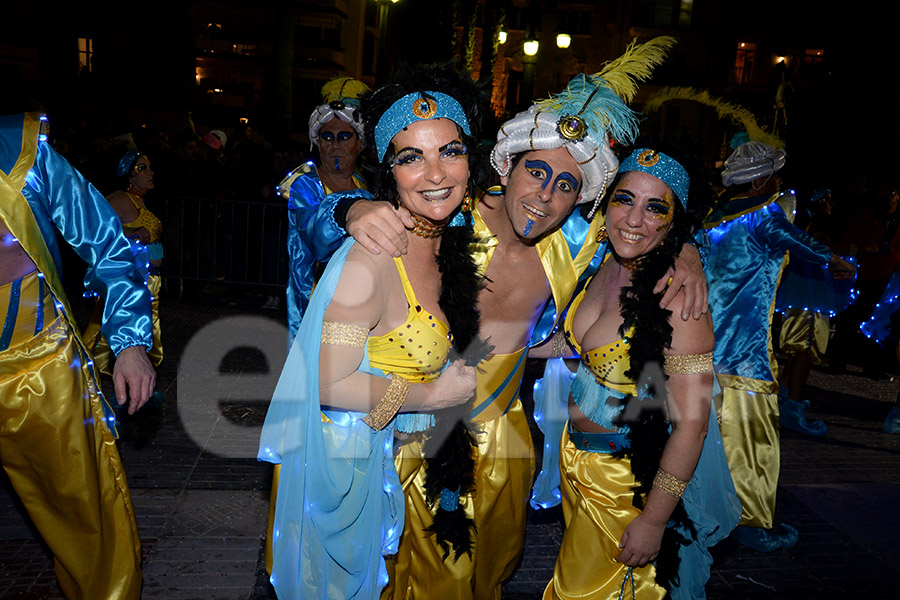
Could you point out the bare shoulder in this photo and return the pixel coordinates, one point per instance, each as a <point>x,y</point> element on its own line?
<point>120,203</point>
<point>360,293</point>
<point>694,336</point>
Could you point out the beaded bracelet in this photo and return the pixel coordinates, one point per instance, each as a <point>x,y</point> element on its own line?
<point>389,404</point>
<point>669,484</point>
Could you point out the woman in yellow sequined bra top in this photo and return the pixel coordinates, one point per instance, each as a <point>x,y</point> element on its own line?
<point>619,418</point>
<point>377,333</point>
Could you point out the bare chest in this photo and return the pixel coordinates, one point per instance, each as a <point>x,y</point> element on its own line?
<point>14,261</point>
<point>512,300</point>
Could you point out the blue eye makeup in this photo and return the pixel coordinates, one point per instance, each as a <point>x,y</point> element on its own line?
<point>659,207</point>
<point>454,148</point>
<point>566,182</point>
<point>541,170</point>
<point>622,198</point>
<point>407,155</point>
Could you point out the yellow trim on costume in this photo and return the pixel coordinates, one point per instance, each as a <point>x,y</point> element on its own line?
<point>483,249</point>
<point>20,220</point>
<point>746,211</point>
<point>497,384</point>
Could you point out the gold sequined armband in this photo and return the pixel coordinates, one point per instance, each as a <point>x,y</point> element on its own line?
<point>344,334</point>
<point>389,404</point>
<point>669,484</point>
<point>687,364</point>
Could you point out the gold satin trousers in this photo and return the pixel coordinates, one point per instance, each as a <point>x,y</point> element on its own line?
<point>805,332</point>
<point>504,470</point>
<point>597,506</point>
<point>63,463</point>
<point>749,423</point>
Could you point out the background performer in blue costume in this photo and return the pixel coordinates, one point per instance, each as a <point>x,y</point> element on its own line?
<point>749,236</point>
<point>57,433</point>
<point>336,129</point>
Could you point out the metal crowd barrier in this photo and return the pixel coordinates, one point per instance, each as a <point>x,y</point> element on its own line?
<point>225,241</point>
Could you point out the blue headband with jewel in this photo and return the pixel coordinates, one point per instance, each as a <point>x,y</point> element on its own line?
<point>418,106</point>
<point>663,167</point>
<point>127,162</point>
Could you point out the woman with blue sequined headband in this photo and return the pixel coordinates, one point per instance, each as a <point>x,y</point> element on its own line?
<point>641,424</point>
<point>376,347</point>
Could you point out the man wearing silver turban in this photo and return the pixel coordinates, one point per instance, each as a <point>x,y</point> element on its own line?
<point>749,238</point>
<point>336,129</point>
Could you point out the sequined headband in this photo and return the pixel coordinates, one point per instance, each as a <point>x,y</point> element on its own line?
<point>418,106</point>
<point>126,162</point>
<point>663,167</point>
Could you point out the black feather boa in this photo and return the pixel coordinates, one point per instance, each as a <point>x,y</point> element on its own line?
<point>649,432</point>
<point>450,446</point>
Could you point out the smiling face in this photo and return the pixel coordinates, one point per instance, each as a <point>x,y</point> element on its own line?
<point>141,177</point>
<point>541,191</point>
<point>431,167</point>
<point>339,146</point>
<point>640,213</point>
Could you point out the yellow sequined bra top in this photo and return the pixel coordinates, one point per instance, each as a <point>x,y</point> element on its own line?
<point>145,219</point>
<point>609,362</point>
<point>417,349</point>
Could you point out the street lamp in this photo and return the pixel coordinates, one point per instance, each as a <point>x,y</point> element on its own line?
<point>530,47</point>
<point>563,40</point>
<point>501,37</point>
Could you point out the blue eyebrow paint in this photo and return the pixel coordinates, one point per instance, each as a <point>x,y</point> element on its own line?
<point>539,164</point>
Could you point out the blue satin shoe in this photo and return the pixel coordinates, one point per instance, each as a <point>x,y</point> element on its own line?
<point>793,416</point>
<point>766,540</point>
<point>892,421</point>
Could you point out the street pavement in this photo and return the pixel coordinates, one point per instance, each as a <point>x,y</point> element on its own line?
<point>201,498</point>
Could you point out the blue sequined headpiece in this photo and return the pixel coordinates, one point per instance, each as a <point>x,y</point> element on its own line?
<point>126,162</point>
<point>663,167</point>
<point>418,106</point>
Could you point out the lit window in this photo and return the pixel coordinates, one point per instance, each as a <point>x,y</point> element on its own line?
<point>744,60</point>
<point>85,54</point>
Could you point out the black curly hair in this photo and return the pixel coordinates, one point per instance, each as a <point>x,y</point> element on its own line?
<point>652,334</point>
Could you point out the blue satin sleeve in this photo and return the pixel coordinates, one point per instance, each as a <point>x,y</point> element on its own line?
<point>58,193</point>
<point>781,236</point>
<point>305,197</point>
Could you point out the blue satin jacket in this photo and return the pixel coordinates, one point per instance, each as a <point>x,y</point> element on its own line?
<point>747,254</point>
<point>312,237</point>
<point>61,200</point>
